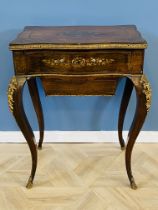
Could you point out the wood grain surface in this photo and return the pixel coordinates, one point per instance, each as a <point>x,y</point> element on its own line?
<point>79,35</point>
<point>78,177</point>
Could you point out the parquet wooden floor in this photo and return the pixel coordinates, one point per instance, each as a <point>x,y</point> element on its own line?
<point>78,177</point>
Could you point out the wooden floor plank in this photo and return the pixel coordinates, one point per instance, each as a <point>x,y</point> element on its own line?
<point>78,177</point>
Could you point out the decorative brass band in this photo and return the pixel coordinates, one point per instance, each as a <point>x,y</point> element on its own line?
<point>12,86</point>
<point>78,61</point>
<point>146,91</point>
<point>77,46</point>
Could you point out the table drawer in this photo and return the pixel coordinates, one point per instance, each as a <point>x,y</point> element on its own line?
<point>79,85</point>
<point>79,62</point>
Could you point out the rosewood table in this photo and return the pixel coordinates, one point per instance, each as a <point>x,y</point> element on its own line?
<point>79,60</point>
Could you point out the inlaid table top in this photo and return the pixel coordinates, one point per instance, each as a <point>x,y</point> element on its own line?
<point>79,37</point>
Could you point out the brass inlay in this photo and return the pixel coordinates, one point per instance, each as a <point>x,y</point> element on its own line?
<point>77,46</point>
<point>12,86</point>
<point>147,91</point>
<point>78,61</point>
<point>80,94</point>
<point>54,62</point>
<point>78,75</point>
<point>92,61</point>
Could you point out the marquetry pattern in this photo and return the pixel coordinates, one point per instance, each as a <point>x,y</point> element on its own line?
<point>78,177</point>
<point>78,61</point>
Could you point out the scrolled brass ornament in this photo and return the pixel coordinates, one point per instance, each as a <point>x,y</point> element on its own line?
<point>99,61</point>
<point>54,62</point>
<point>78,61</point>
<point>12,86</point>
<point>147,91</point>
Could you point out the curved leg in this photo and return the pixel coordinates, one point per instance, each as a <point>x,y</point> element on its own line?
<point>32,84</point>
<point>123,108</point>
<point>143,92</point>
<point>15,102</point>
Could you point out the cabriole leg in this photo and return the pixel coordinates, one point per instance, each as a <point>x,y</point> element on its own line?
<point>123,108</point>
<point>15,102</point>
<point>143,93</point>
<point>33,89</point>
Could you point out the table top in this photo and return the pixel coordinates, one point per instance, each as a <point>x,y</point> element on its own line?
<point>79,37</point>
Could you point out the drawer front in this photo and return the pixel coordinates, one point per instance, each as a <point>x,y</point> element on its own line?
<point>79,85</point>
<point>79,62</point>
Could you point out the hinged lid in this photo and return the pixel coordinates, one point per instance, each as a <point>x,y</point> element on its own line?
<point>79,37</point>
